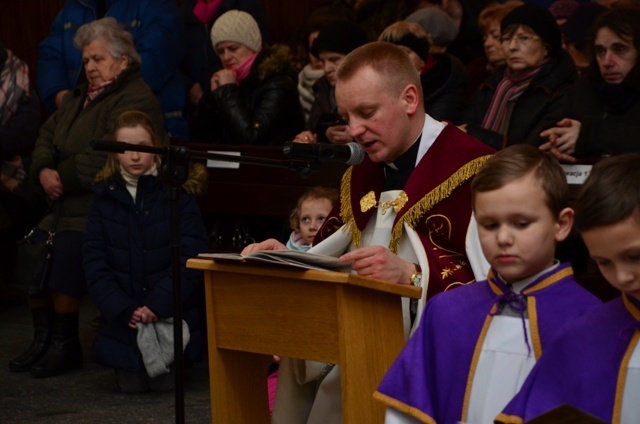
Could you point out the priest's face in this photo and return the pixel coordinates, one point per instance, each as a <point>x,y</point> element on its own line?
<point>517,230</point>
<point>378,119</point>
<point>616,250</point>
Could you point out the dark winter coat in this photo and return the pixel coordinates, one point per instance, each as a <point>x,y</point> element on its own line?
<point>64,141</point>
<point>127,264</point>
<point>263,109</point>
<point>444,86</point>
<point>609,113</point>
<point>543,97</point>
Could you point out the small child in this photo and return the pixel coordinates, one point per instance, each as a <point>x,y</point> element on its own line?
<point>476,344</point>
<point>594,364</point>
<point>127,257</point>
<point>309,215</point>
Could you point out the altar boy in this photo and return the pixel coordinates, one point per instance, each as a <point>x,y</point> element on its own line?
<point>476,344</point>
<point>595,363</point>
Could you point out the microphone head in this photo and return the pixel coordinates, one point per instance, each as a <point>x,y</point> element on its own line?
<point>357,153</point>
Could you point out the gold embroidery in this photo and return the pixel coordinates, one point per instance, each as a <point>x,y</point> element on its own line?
<point>438,194</point>
<point>368,201</point>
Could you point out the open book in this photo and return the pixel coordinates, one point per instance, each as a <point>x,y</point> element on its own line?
<point>290,258</point>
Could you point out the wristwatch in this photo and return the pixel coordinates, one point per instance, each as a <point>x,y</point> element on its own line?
<point>416,277</point>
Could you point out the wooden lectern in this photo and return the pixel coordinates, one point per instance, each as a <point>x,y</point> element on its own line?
<point>255,311</point>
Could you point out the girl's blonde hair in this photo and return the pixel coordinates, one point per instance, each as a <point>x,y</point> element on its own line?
<point>328,193</point>
<point>129,119</point>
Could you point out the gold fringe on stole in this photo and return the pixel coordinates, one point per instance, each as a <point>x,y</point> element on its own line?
<point>435,196</point>
<point>346,213</point>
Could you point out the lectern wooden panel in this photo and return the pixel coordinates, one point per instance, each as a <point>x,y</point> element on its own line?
<point>256,311</point>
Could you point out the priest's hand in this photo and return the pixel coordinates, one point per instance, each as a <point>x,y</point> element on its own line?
<point>268,244</point>
<point>378,262</point>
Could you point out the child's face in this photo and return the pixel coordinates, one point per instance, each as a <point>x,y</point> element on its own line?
<point>616,250</point>
<point>517,230</point>
<point>313,213</point>
<point>135,163</point>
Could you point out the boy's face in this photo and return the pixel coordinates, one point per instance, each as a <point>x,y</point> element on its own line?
<point>517,230</point>
<point>616,250</point>
<point>313,213</point>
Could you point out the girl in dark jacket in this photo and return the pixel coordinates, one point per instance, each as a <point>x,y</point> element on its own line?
<point>254,98</point>
<point>127,256</point>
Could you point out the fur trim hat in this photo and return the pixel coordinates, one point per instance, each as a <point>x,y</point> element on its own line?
<point>540,21</point>
<point>239,27</point>
<point>340,37</point>
<point>437,23</point>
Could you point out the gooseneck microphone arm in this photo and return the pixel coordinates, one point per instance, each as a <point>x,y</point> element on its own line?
<point>303,167</point>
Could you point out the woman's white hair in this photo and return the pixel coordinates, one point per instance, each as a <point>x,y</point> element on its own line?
<point>119,41</point>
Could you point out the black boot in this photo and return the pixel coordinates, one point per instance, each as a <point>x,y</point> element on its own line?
<point>42,322</point>
<point>65,352</point>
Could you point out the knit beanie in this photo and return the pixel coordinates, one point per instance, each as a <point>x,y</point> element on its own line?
<point>340,37</point>
<point>540,21</point>
<point>239,27</point>
<point>437,23</point>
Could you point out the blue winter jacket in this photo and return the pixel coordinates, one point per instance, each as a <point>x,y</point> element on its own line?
<point>158,37</point>
<point>127,263</point>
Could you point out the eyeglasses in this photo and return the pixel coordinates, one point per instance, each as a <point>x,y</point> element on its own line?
<point>521,39</point>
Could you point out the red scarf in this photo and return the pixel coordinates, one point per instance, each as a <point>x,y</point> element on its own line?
<point>509,88</point>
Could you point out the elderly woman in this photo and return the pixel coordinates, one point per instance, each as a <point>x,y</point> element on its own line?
<point>510,106</point>
<point>443,76</point>
<point>65,165</point>
<point>601,113</point>
<point>254,98</point>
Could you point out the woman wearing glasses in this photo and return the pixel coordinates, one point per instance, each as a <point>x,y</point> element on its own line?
<point>510,106</point>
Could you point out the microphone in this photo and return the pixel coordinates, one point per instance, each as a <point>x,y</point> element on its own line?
<point>109,146</point>
<point>121,147</point>
<point>350,153</point>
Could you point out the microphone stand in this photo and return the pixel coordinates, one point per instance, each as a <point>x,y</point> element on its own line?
<point>174,172</point>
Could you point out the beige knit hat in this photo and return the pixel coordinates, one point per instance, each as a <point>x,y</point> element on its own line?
<point>239,27</point>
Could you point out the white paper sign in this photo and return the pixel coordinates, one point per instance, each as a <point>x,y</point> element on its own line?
<point>576,174</point>
<point>222,164</point>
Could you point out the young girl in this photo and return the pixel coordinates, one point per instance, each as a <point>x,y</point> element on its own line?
<point>309,215</point>
<point>127,255</point>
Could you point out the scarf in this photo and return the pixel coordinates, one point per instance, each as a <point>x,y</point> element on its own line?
<point>205,11</point>
<point>507,91</point>
<point>242,71</point>
<point>95,90</point>
<point>14,83</point>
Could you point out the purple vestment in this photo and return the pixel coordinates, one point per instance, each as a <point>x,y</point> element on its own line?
<point>585,367</point>
<point>431,378</point>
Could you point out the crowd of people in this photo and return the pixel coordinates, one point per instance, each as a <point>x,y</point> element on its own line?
<point>464,113</point>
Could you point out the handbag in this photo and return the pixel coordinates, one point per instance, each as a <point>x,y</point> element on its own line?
<point>34,260</point>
